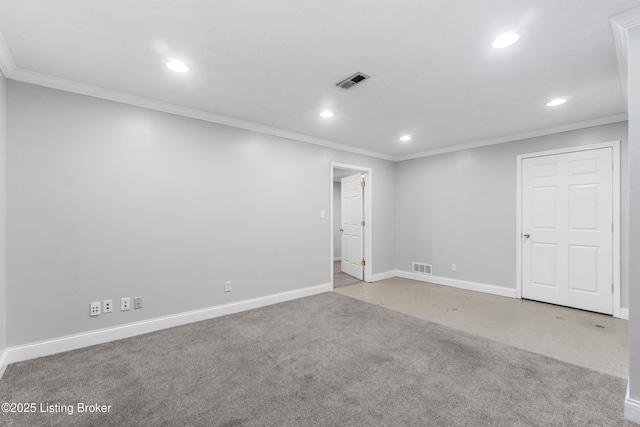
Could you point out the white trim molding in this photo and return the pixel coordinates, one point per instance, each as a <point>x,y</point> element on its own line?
<point>100,336</point>
<point>45,80</point>
<point>7,66</point>
<point>11,71</point>
<point>518,137</point>
<point>4,361</point>
<point>461,284</point>
<point>631,408</point>
<point>368,215</point>
<point>385,275</point>
<point>620,25</point>
<point>617,222</point>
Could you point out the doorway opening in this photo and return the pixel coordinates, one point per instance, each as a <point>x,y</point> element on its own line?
<point>351,223</point>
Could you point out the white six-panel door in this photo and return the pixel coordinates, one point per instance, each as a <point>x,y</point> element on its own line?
<point>567,236</point>
<point>351,225</point>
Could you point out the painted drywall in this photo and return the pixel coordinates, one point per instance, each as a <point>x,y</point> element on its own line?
<point>634,209</point>
<point>460,208</point>
<point>3,213</point>
<point>106,200</point>
<point>337,212</point>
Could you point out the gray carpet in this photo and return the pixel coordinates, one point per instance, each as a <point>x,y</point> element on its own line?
<point>325,360</point>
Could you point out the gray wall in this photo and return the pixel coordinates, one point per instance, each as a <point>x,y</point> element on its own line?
<point>3,213</point>
<point>460,208</point>
<point>106,200</point>
<point>337,214</point>
<point>634,208</point>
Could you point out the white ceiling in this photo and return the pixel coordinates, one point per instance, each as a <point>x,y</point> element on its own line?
<point>273,65</point>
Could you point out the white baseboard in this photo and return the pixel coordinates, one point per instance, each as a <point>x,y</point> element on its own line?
<point>631,408</point>
<point>624,314</point>
<point>462,284</point>
<point>4,357</point>
<point>381,276</point>
<point>100,336</point>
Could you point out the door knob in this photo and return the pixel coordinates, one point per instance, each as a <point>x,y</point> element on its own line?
<point>526,235</point>
<point>341,230</point>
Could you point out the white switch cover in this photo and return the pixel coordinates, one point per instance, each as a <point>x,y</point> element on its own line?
<point>322,214</point>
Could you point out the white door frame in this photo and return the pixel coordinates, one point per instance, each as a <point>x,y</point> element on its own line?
<point>615,146</point>
<point>367,250</point>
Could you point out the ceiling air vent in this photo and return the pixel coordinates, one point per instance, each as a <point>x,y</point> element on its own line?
<point>353,80</point>
<point>421,268</point>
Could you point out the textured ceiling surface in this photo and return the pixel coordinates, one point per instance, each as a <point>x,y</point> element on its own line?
<point>434,74</point>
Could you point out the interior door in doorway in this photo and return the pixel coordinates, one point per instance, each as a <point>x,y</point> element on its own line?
<point>567,236</point>
<point>351,225</point>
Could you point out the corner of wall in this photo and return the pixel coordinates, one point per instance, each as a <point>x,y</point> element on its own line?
<point>632,405</point>
<point>3,218</point>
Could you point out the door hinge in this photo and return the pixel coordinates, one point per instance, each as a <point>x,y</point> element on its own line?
<point>363,263</point>
<point>362,223</point>
<point>363,183</point>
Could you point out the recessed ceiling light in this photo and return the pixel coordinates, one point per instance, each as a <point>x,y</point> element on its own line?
<point>556,102</point>
<point>327,114</point>
<point>405,138</point>
<point>505,40</point>
<point>177,66</point>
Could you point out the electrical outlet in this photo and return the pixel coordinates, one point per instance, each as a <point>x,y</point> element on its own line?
<point>125,304</point>
<point>107,306</point>
<point>95,309</point>
<point>137,303</point>
<point>227,286</point>
<point>453,267</point>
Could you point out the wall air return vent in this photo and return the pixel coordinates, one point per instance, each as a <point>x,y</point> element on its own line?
<point>352,80</point>
<point>421,268</point>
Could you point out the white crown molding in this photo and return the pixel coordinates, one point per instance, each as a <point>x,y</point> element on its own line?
<point>518,137</point>
<point>9,69</point>
<point>620,25</point>
<point>140,101</point>
<point>7,66</point>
